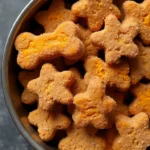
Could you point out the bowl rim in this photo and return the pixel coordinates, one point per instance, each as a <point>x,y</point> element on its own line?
<point>4,70</point>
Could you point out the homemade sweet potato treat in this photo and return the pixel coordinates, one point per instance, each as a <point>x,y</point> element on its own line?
<point>48,122</point>
<point>95,11</point>
<point>117,39</point>
<point>89,102</point>
<point>24,77</point>
<point>140,66</point>
<point>55,15</point>
<point>133,133</point>
<point>79,84</point>
<point>140,13</point>
<point>64,41</point>
<point>116,75</point>
<point>141,103</point>
<point>93,106</point>
<point>52,87</point>
<point>80,139</point>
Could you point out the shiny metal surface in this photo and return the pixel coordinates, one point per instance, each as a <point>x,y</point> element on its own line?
<point>10,70</point>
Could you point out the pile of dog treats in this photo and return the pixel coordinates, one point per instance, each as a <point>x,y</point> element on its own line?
<point>89,74</point>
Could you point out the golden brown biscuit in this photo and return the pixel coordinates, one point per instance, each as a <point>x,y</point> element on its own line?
<point>140,13</point>
<point>116,75</point>
<point>93,106</point>
<point>80,139</point>
<point>55,15</point>
<point>48,122</point>
<point>117,39</point>
<point>140,66</point>
<point>63,42</point>
<point>52,86</point>
<point>133,133</point>
<point>141,103</point>
<point>95,11</point>
<point>24,77</point>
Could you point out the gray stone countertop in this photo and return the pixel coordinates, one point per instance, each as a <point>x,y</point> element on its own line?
<point>10,137</point>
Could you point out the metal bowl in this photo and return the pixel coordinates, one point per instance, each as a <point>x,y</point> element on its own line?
<point>10,70</point>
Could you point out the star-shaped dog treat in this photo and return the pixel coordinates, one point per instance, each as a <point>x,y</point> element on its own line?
<point>55,15</point>
<point>140,66</point>
<point>141,103</point>
<point>95,11</point>
<point>52,86</point>
<point>93,106</point>
<point>48,122</point>
<point>80,139</point>
<point>117,39</point>
<point>115,75</point>
<point>64,41</point>
<point>140,13</point>
<point>133,133</point>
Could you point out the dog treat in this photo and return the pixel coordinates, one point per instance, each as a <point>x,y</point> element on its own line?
<point>116,75</point>
<point>79,85</point>
<point>141,103</point>
<point>110,136</point>
<point>52,86</point>
<point>24,77</point>
<point>80,139</point>
<point>140,13</point>
<point>48,122</point>
<point>55,15</point>
<point>140,66</point>
<point>133,132</point>
<point>116,39</point>
<point>95,11</point>
<point>63,41</point>
<point>93,106</point>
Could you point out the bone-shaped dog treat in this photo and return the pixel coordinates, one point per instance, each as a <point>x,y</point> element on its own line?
<point>55,15</point>
<point>116,75</point>
<point>48,122</point>
<point>90,49</point>
<point>140,13</point>
<point>93,106</point>
<point>133,133</point>
<point>52,86</point>
<point>64,41</point>
<point>117,39</point>
<point>95,11</point>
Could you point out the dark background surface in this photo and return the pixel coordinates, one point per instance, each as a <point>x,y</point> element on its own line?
<point>10,137</point>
